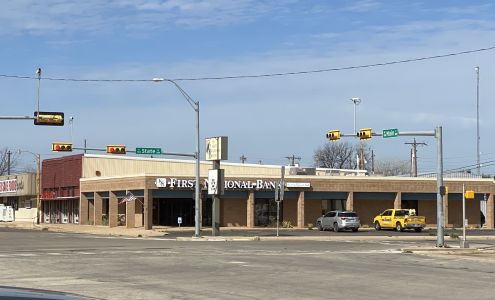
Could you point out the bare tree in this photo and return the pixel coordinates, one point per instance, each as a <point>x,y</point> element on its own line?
<point>4,160</point>
<point>392,167</point>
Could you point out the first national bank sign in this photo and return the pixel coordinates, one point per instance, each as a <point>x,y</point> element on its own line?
<point>258,184</point>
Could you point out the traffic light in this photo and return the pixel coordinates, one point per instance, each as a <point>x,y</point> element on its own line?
<point>333,135</point>
<point>469,195</point>
<point>49,118</point>
<point>116,149</point>
<point>61,147</point>
<point>364,133</point>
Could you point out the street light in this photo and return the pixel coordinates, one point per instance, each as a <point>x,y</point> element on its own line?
<point>478,119</point>
<point>38,181</point>
<point>195,106</point>
<point>356,101</point>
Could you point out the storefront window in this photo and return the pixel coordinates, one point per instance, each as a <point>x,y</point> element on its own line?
<point>265,212</point>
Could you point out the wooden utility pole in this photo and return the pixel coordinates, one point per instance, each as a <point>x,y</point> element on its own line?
<point>292,159</point>
<point>414,160</point>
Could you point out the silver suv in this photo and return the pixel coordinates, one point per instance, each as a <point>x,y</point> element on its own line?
<point>338,220</point>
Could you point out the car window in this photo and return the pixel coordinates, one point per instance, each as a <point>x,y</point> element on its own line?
<point>387,213</point>
<point>348,214</point>
<point>330,214</point>
<point>401,213</point>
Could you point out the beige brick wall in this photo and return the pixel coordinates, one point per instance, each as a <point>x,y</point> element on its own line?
<point>312,211</point>
<point>472,213</point>
<point>233,212</point>
<point>428,208</point>
<point>368,209</point>
<point>290,211</point>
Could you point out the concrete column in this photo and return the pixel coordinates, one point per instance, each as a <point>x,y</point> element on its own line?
<point>148,209</point>
<point>250,210</point>
<point>349,203</point>
<point>300,210</point>
<point>398,200</point>
<point>98,209</point>
<point>83,210</point>
<point>91,211</point>
<point>489,212</point>
<point>130,214</point>
<point>446,211</point>
<point>113,210</point>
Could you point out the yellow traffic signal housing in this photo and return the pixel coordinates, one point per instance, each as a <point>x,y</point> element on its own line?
<point>333,135</point>
<point>116,149</point>
<point>469,195</point>
<point>61,147</point>
<point>364,133</point>
<point>49,118</point>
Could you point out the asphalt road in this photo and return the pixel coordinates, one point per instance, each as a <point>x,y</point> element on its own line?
<point>158,268</point>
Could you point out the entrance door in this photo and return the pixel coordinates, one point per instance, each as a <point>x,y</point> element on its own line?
<point>169,210</point>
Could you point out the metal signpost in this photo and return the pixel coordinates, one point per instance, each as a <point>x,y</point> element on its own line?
<point>216,150</point>
<point>470,196</point>
<point>366,133</point>
<point>279,195</point>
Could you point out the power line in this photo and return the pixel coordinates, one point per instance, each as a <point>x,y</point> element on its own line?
<point>266,74</point>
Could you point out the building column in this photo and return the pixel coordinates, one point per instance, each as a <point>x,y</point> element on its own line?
<point>489,212</point>
<point>113,210</point>
<point>83,210</point>
<point>148,209</point>
<point>446,211</point>
<point>349,203</point>
<point>130,213</point>
<point>250,210</point>
<point>91,212</point>
<point>98,208</point>
<point>398,200</point>
<point>300,210</point>
<point>139,213</point>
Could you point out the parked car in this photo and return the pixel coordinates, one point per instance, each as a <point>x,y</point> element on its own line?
<point>399,219</point>
<point>338,220</point>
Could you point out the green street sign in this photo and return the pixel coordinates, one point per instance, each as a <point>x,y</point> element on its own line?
<point>142,150</point>
<point>388,133</point>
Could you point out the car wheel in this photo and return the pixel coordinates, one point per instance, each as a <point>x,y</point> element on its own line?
<point>335,227</point>
<point>354,229</point>
<point>418,229</point>
<point>319,226</point>
<point>377,226</point>
<point>398,227</point>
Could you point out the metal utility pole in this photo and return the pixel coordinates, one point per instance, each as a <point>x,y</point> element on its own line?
<point>279,195</point>
<point>478,167</point>
<point>414,156</point>
<point>8,161</point>
<point>243,158</point>
<point>356,101</point>
<point>292,159</point>
<point>372,162</point>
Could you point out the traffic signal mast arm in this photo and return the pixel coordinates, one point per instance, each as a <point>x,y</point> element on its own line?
<point>402,133</point>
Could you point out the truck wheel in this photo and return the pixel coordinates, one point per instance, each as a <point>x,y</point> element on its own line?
<point>320,228</point>
<point>418,229</point>
<point>377,226</point>
<point>335,227</point>
<point>398,227</point>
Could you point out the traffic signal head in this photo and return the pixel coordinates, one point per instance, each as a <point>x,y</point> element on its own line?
<point>364,134</point>
<point>116,149</point>
<point>61,147</point>
<point>333,135</point>
<point>49,118</point>
<point>469,195</point>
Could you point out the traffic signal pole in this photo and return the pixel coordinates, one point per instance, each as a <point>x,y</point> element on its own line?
<point>334,135</point>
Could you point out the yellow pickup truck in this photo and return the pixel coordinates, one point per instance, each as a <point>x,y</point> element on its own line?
<point>399,219</point>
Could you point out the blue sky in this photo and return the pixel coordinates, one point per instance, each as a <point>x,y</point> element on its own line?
<point>265,118</point>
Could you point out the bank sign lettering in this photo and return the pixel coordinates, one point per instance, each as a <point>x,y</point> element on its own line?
<point>258,184</point>
<point>8,186</point>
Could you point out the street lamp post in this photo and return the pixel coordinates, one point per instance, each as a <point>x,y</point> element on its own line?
<point>195,106</point>
<point>356,101</point>
<point>478,120</point>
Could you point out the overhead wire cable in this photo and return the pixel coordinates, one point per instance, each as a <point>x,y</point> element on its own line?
<point>267,74</point>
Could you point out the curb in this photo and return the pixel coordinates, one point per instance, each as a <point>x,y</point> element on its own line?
<point>218,239</point>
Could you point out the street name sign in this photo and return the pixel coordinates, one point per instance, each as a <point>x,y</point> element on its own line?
<point>388,133</point>
<point>142,150</point>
